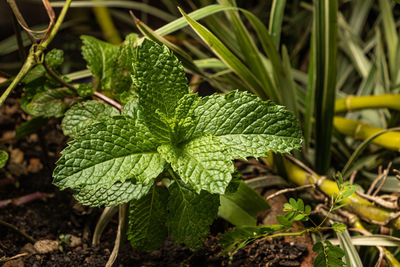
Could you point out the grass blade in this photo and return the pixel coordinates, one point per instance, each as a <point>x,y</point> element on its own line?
<point>227,57</point>
<point>252,56</point>
<point>350,252</point>
<point>325,50</point>
<point>275,20</point>
<point>392,39</point>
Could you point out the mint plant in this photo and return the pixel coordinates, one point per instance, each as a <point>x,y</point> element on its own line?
<point>169,152</point>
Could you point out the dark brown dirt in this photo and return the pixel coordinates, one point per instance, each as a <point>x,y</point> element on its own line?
<point>47,219</point>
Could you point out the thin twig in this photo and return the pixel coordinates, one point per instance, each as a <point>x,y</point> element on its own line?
<point>381,255</point>
<point>386,173</point>
<point>70,86</point>
<point>379,201</point>
<point>6,224</point>
<point>25,199</point>
<point>14,257</point>
<point>21,20</point>
<point>56,77</point>
<point>108,100</point>
<point>373,184</point>
<point>353,177</point>
<point>35,53</point>
<point>286,190</point>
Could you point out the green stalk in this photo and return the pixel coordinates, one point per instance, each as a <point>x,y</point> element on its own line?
<point>362,131</point>
<point>362,102</point>
<point>33,55</point>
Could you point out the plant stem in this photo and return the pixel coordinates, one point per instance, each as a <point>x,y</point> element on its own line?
<point>103,221</point>
<point>350,103</point>
<point>122,219</point>
<point>70,86</point>
<point>33,55</point>
<point>6,224</point>
<point>360,130</point>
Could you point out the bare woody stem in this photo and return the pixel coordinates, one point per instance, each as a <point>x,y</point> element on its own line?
<point>35,52</point>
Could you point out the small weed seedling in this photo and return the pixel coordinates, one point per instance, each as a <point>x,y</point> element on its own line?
<point>328,255</point>
<point>169,153</point>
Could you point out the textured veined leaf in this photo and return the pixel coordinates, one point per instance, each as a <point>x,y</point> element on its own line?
<point>246,124</point>
<point>203,162</point>
<point>101,58</point>
<point>49,103</point>
<point>147,217</point>
<point>190,214</point>
<point>84,114</point>
<point>108,63</point>
<point>160,82</point>
<point>107,153</point>
<point>110,195</point>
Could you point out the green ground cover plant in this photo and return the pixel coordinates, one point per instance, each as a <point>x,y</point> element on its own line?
<point>166,133</point>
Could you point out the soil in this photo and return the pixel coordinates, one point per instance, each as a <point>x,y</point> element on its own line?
<point>56,213</point>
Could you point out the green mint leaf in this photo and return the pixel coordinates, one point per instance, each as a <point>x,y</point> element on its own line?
<point>160,82</point>
<point>203,162</point>
<point>147,217</point>
<point>110,195</point>
<point>3,158</point>
<point>49,103</point>
<point>34,74</point>
<point>101,58</point>
<point>127,52</point>
<point>184,116</point>
<point>190,214</point>
<point>84,114</point>
<point>54,58</point>
<point>132,110</point>
<point>107,153</point>
<point>246,124</point>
